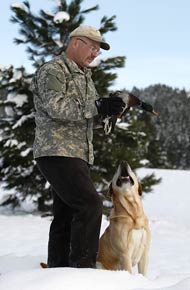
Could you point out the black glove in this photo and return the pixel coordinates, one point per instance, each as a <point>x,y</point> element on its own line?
<point>110,106</point>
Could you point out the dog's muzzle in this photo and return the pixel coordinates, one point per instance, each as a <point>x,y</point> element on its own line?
<point>124,174</point>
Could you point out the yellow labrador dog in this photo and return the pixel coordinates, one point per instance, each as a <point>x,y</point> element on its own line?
<point>125,243</point>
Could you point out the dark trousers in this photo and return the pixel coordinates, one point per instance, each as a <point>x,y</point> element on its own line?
<point>77,210</point>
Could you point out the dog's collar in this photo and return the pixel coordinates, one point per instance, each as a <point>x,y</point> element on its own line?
<point>118,216</point>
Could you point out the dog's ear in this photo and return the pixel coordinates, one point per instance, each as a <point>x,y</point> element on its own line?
<point>140,189</point>
<point>110,190</point>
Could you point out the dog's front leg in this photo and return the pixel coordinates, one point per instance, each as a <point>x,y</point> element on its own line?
<point>143,263</point>
<point>126,263</point>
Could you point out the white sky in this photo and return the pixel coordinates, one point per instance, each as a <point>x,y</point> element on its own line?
<point>154,35</point>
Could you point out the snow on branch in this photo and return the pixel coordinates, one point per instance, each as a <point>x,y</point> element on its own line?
<point>18,99</point>
<point>18,6</point>
<point>17,75</point>
<point>11,143</point>
<point>22,120</point>
<point>61,16</point>
<point>26,152</point>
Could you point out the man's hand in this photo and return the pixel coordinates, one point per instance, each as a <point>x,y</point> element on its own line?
<point>110,106</point>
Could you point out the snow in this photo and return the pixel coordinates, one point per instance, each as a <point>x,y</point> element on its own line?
<point>122,125</point>
<point>17,75</point>
<point>11,143</point>
<point>18,99</point>
<point>24,237</point>
<point>61,16</point>
<point>26,152</point>
<point>18,6</point>
<point>23,119</point>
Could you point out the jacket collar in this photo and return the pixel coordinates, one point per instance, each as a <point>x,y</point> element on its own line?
<point>73,67</point>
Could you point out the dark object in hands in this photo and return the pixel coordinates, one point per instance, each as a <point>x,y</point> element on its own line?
<point>129,100</point>
<point>110,106</point>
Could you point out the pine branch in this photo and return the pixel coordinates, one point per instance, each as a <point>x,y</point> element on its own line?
<point>94,8</point>
<point>107,24</point>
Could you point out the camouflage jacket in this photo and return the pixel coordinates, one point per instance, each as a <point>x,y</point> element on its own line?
<point>64,99</point>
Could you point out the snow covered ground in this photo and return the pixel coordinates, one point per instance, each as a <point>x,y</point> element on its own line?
<point>23,245</point>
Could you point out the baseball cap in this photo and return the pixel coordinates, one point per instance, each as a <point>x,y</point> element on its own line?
<point>91,33</point>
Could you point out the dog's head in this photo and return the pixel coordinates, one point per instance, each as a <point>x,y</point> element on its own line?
<point>125,181</point>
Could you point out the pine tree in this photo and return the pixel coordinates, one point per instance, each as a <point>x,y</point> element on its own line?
<point>18,170</point>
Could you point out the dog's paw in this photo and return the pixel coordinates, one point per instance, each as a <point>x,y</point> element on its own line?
<point>99,265</point>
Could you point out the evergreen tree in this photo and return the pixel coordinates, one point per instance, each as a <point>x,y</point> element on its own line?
<point>171,136</point>
<point>17,167</point>
<point>46,35</point>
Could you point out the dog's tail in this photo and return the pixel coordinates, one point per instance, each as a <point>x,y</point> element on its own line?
<point>43,265</point>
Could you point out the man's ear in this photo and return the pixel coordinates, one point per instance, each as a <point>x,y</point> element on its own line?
<point>74,42</point>
<point>140,189</point>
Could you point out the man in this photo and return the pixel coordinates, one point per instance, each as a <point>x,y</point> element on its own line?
<point>66,102</point>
